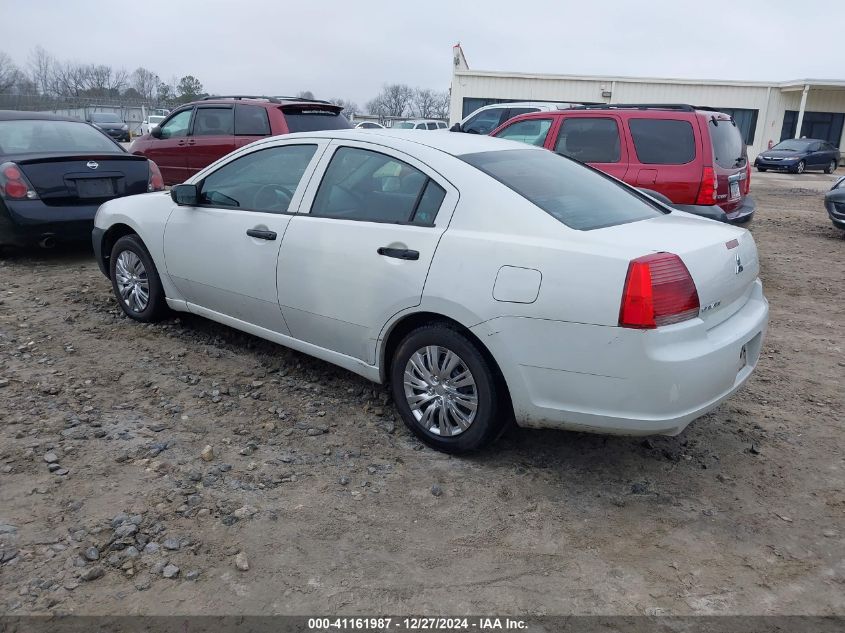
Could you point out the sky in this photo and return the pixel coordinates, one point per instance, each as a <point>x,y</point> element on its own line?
<point>350,49</point>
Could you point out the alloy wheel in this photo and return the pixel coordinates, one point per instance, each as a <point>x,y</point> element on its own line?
<point>799,169</point>
<point>132,281</point>
<point>440,390</point>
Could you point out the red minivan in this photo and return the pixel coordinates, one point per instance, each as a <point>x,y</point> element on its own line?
<point>692,158</point>
<point>197,134</point>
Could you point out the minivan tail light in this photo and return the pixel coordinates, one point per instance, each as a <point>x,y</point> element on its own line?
<point>747,176</point>
<point>156,182</point>
<point>14,185</point>
<point>707,191</point>
<point>659,290</point>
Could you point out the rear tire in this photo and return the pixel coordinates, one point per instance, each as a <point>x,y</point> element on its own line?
<point>135,280</point>
<point>831,167</point>
<point>446,391</point>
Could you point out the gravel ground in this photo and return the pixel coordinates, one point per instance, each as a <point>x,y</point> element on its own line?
<point>188,468</point>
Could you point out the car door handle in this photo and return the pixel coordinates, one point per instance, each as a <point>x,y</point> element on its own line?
<point>399,253</point>
<point>261,234</point>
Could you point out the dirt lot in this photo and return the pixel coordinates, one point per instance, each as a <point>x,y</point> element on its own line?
<point>336,509</point>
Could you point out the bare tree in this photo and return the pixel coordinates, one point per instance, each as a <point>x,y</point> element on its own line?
<point>424,100</point>
<point>145,82</point>
<point>9,73</point>
<point>68,80</point>
<point>347,105</point>
<point>441,105</point>
<point>41,69</point>
<point>393,100</point>
<point>305,94</point>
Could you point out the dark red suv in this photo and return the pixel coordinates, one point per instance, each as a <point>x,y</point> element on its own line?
<point>692,158</point>
<point>197,134</point>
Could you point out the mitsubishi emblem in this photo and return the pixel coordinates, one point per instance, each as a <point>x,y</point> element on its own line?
<point>738,269</point>
<point>91,164</point>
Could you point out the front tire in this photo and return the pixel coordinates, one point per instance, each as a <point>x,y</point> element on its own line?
<point>831,167</point>
<point>762,169</point>
<point>446,390</point>
<point>135,280</point>
<point>799,168</point>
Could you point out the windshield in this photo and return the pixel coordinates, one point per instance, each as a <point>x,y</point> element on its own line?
<point>314,119</point>
<point>52,136</point>
<point>793,144</point>
<point>403,125</point>
<point>156,119</point>
<point>579,197</point>
<point>105,117</point>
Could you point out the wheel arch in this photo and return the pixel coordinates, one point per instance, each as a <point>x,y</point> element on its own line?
<point>110,236</point>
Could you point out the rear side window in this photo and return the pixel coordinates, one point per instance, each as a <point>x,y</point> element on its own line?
<point>532,131</point>
<point>360,184</point>
<point>577,196</point>
<point>311,119</point>
<point>214,122</point>
<point>663,141</point>
<point>251,121</point>
<point>727,142</point>
<point>590,140</point>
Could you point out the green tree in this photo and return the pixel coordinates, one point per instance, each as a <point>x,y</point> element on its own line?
<point>189,88</point>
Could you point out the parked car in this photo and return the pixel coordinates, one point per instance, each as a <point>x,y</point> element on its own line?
<point>691,158</point>
<point>151,122</point>
<point>369,125</point>
<point>834,202</point>
<point>111,124</point>
<point>419,124</point>
<point>488,118</point>
<point>199,133</point>
<point>798,155</point>
<point>55,172</point>
<point>485,280</point>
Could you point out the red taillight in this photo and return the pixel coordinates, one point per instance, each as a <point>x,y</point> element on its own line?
<point>156,182</point>
<point>14,185</point>
<point>707,192</point>
<point>747,176</point>
<point>658,291</point>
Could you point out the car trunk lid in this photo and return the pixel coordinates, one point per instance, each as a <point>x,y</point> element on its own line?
<point>70,179</point>
<point>722,259</point>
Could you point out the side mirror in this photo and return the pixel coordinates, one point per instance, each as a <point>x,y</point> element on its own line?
<point>456,128</point>
<point>156,132</point>
<point>185,195</point>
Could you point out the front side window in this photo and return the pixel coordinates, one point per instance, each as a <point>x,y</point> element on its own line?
<point>251,121</point>
<point>532,131</point>
<point>261,181</point>
<point>360,184</point>
<point>214,122</point>
<point>177,125</point>
<point>579,197</point>
<point>484,122</point>
<point>590,140</point>
<point>52,136</point>
<point>663,141</point>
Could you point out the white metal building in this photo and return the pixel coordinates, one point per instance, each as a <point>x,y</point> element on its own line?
<point>765,112</point>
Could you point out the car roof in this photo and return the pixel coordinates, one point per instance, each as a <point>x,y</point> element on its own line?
<point>453,143</point>
<point>267,102</point>
<point>18,115</point>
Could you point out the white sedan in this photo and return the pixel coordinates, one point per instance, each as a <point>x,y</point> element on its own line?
<point>485,280</point>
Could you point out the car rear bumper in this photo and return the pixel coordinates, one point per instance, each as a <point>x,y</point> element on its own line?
<point>622,381</point>
<point>741,215</point>
<point>27,222</point>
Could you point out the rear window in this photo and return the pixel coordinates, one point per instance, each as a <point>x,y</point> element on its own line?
<point>20,137</point>
<point>727,143</point>
<point>663,141</point>
<point>577,196</point>
<point>314,119</point>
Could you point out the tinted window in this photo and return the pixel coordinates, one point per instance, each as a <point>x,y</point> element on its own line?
<point>312,119</point>
<point>363,185</point>
<point>663,141</point>
<point>214,122</point>
<point>177,125</point>
<point>251,121</point>
<point>420,126</point>
<point>575,195</point>
<point>589,140</point>
<point>429,203</point>
<point>517,111</point>
<point>728,147</point>
<point>531,131</point>
<point>262,181</point>
<point>52,136</point>
<point>441,125</point>
<point>484,122</point>
<point>403,125</point>
<point>431,125</point>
